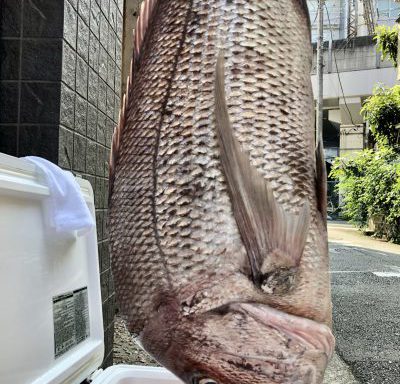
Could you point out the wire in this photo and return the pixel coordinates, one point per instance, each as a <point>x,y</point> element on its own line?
<point>315,19</point>
<point>337,69</point>
<point>313,10</point>
<point>345,42</point>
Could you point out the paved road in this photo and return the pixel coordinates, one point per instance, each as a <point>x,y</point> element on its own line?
<point>366,304</point>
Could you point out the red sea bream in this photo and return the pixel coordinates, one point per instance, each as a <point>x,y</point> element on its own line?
<point>217,194</point>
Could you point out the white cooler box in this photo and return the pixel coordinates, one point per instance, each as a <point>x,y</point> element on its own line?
<point>51,326</point>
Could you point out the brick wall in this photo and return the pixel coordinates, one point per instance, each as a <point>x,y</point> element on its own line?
<point>60,82</point>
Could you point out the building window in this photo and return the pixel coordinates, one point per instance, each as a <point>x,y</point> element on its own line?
<point>334,19</point>
<point>387,10</point>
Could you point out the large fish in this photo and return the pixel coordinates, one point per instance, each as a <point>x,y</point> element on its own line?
<point>217,209</point>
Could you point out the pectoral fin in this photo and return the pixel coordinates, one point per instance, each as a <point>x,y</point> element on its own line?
<point>271,235</point>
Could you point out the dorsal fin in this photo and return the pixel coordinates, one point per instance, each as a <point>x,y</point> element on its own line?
<point>142,25</point>
<point>274,238</point>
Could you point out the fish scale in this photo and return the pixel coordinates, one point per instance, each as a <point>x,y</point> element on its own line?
<point>173,231</point>
<point>140,236</point>
<point>247,138</point>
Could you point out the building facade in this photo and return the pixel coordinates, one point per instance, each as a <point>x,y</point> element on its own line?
<point>352,68</point>
<point>352,17</point>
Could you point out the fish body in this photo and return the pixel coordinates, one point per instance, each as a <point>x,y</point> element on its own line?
<point>217,209</point>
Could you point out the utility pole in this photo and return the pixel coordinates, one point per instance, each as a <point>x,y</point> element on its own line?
<point>320,69</point>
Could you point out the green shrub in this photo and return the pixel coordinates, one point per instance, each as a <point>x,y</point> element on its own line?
<point>370,186</point>
<point>369,182</point>
<point>386,39</point>
<point>382,112</point>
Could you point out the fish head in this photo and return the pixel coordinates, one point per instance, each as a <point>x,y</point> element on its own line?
<point>244,343</point>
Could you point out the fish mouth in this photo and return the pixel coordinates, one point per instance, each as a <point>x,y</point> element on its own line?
<point>311,334</point>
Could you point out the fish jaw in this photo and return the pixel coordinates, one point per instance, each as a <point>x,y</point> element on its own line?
<point>241,343</point>
<point>308,332</point>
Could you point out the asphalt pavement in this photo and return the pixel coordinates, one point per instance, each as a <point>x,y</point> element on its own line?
<point>365,277</point>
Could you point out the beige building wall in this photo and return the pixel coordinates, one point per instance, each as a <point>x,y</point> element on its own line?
<point>352,139</point>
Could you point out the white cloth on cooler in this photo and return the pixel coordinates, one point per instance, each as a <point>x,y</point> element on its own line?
<point>66,207</point>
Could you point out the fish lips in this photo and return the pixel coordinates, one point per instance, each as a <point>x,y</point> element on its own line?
<point>244,342</point>
<point>289,349</point>
<point>311,334</point>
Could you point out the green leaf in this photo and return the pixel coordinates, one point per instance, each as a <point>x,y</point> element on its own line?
<point>386,39</point>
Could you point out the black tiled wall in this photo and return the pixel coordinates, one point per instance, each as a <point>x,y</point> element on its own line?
<point>90,100</point>
<point>30,74</point>
<point>60,81</point>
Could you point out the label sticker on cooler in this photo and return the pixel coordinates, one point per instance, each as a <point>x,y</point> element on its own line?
<point>71,320</point>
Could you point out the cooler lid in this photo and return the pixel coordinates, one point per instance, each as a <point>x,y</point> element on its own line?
<point>124,374</point>
<point>51,326</point>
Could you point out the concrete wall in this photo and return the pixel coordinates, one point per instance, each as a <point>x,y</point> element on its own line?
<point>355,83</point>
<point>350,55</point>
<point>352,69</point>
<point>60,87</point>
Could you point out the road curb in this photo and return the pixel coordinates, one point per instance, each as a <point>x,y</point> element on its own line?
<point>338,372</point>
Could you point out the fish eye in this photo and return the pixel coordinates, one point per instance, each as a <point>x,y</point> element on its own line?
<point>207,381</point>
<point>203,380</point>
